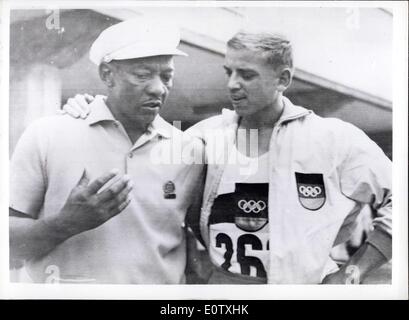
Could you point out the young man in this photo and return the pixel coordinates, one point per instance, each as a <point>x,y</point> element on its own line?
<point>273,215</point>
<point>107,231</point>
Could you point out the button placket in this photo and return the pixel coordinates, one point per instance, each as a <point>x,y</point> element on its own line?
<point>127,159</point>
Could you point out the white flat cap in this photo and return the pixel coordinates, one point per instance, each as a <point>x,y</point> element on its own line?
<point>136,38</point>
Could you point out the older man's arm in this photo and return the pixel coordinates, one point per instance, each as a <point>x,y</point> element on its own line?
<point>86,208</point>
<point>31,238</point>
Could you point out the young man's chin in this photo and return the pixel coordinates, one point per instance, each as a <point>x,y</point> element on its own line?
<point>241,109</point>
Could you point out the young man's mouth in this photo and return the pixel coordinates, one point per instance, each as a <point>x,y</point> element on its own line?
<point>236,99</point>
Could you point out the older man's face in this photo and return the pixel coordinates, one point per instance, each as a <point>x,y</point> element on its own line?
<point>252,83</point>
<point>142,86</point>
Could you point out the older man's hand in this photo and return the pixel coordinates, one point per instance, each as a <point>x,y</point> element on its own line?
<point>90,205</point>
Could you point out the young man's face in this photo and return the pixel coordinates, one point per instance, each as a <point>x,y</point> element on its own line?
<point>252,83</point>
<point>141,86</point>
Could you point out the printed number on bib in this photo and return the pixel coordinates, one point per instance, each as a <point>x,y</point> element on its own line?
<point>245,261</point>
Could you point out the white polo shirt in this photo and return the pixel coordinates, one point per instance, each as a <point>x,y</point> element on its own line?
<point>143,244</point>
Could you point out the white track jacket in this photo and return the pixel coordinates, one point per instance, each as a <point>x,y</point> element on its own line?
<point>321,172</point>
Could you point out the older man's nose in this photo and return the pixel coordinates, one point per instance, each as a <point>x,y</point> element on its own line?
<point>156,87</point>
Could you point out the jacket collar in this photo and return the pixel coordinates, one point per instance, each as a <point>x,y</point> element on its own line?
<point>290,112</point>
<point>100,112</point>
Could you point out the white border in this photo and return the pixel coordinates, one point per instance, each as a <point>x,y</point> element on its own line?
<point>397,290</point>
<point>4,142</point>
<point>400,147</point>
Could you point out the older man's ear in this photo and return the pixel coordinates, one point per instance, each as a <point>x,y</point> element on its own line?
<point>106,73</point>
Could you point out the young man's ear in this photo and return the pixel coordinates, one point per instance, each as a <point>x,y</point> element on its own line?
<point>285,78</point>
<point>106,73</point>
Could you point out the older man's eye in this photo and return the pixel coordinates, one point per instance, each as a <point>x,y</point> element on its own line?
<point>141,75</point>
<point>166,77</point>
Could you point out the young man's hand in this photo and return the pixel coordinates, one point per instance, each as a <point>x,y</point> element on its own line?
<point>358,267</point>
<point>339,277</point>
<point>78,106</point>
<point>90,205</point>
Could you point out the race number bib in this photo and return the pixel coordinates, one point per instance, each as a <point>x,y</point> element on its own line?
<point>238,226</point>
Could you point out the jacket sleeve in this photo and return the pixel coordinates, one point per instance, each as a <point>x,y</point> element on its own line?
<point>365,177</point>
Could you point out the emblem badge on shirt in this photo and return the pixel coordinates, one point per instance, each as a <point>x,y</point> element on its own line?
<point>169,190</point>
<point>311,190</point>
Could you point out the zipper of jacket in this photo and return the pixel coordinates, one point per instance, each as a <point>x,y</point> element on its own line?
<point>272,198</point>
<point>205,212</point>
<point>271,201</point>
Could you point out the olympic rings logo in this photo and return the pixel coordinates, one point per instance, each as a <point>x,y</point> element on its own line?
<point>252,206</point>
<point>309,191</point>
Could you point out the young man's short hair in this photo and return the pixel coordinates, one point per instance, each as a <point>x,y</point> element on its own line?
<point>275,48</point>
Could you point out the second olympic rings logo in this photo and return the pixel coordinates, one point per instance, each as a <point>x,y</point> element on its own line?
<point>309,191</point>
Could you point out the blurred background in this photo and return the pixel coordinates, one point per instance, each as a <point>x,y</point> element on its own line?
<point>343,59</point>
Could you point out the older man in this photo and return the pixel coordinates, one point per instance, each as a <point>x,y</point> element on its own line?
<point>275,205</point>
<point>70,231</point>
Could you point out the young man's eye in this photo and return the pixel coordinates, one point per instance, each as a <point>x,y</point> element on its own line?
<point>248,75</point>
<point>227,71</point>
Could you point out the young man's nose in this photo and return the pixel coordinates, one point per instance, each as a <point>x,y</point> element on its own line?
<point>233,83</point>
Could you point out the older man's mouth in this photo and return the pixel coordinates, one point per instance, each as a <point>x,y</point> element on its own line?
<point>152,107</point>
<point>152,104</point>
